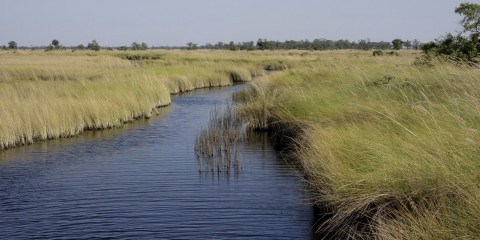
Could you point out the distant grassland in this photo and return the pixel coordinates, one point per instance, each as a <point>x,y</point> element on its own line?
<point>391,149</point>
<point>60,94</point>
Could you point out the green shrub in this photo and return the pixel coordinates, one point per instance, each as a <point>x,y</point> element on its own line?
<point>378,53</point>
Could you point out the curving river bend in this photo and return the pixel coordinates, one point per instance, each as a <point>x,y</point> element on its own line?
<point>142,182</point>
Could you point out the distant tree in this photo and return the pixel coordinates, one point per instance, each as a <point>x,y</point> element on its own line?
<point>4,47</point>
<point>261,44</point>
<point>80,47</point>
<point>471,17</point>
<point>316,44</point>
<point>382,45</point>
<point>94,46</point>
<point>209,46</point>
<point>135,46</point>
<point>191,46</point>
<point>12,45</point>
<point>365,44</point>
<point>220,45</point>
<point>343,44</point>
<point>50,48</point>
<point>290,44</point>
<point>232,46</point>
<point>138,46</point>
<point>55,43</point>
<point>407,44</point>
<point>415,44</point>
<point>397,44</point>
<point>249,46</point>
<point>264,44</point>
<point>122,48</point>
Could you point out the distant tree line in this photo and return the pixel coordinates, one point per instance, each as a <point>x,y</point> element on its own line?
<point>260,44</point>
<point>317,44</point>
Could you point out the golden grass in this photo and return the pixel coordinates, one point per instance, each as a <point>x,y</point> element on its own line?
<point>60,94</point>
<point>391,148</point>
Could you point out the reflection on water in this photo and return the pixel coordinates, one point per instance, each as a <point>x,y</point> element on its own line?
<point>142,182</point>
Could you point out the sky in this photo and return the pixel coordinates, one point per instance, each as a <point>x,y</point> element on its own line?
<point>176,22</point>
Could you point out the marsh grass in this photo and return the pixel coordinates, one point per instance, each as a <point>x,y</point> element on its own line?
<point>390,148</point>
<point>62,94</point>
<point>217,146</point>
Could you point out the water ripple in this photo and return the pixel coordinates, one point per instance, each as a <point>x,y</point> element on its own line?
<point>142,182</point>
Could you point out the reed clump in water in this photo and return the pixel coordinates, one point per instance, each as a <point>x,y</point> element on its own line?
<point>217,146</point>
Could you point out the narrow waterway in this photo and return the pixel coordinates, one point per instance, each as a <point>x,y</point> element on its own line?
<point>142,182</point>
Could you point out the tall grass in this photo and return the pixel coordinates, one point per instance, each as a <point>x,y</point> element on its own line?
<point>61,94</point>
<point>391,149</point>
<point>60,97</point>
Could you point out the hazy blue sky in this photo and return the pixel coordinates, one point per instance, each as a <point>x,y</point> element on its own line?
<point>176,22</point>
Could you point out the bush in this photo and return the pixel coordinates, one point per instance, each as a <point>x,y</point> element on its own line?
<point>460,47</point>
<point>50,48</point>
<point>378,53</point>
<point>393,53</point>
<point>425,60</point>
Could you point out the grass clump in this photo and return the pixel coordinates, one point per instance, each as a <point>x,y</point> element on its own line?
<point>217,146</point>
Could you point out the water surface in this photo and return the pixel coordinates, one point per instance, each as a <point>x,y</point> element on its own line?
<point>142,182</point>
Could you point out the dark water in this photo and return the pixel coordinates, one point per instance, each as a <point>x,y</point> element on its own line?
<point>142,182</point>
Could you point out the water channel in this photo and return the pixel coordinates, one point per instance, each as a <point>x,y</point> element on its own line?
<point>142,182</point>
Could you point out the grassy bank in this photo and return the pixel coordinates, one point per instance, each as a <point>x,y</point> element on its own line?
<point>391,149</point>
<point>46,95</point>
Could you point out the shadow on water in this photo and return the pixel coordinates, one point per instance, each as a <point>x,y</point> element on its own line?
<point>94,137</point>
<point>142,182</point>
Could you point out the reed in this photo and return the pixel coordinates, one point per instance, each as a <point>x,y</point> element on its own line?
<point>217,146</point>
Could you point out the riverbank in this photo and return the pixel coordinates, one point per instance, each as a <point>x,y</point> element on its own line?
<point>46,95</point>
<point>389,147</point>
